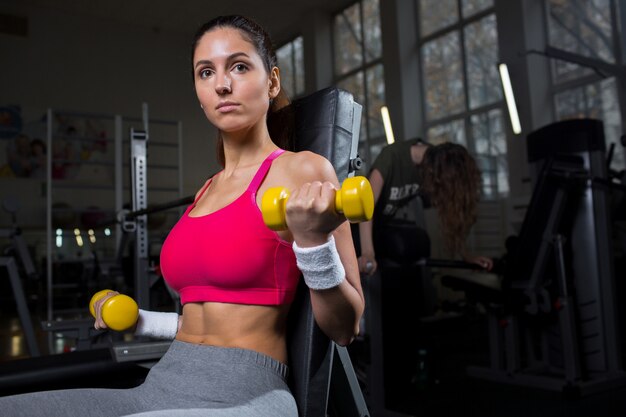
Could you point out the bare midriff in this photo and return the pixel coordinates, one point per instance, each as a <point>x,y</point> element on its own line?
<point>253,327</point>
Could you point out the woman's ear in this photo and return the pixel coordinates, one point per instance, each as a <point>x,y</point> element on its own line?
<point>274,83</point>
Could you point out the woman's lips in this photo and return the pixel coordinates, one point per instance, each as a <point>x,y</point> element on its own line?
<point>227,107</point>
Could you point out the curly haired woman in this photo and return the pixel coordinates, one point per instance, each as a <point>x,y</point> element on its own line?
<point>404,177</point>
<point>444,175</point>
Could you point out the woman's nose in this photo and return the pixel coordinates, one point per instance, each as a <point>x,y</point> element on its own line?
<point>223,85</point>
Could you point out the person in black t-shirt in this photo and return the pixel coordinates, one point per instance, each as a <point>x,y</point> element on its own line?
<point>406,177</point>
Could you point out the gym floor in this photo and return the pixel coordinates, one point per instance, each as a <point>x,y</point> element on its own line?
<point>459,342</point>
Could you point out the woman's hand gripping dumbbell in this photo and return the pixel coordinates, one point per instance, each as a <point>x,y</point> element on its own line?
<point>118,312</point>
<point>355,201</point>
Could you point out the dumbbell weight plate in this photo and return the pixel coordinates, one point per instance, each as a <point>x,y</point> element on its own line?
<point>355,199</point>
<point>273,208</point>
<point>120,312</point>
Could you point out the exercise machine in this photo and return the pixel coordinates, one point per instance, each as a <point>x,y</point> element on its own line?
<point>553,324</point>
<point>17,258</point>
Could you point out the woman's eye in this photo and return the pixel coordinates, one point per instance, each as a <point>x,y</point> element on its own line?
<point>240,67</point>
<point>205,73</point>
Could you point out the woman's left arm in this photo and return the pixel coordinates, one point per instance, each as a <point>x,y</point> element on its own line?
<point>314,224</point>
<point>338,310</point>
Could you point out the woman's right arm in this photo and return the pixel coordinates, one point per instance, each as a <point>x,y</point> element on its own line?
<point>367,260</point>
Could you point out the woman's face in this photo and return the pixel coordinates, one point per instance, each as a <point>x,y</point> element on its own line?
<point>231,82</point>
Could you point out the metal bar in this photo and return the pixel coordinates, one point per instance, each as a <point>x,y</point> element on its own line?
<point>23,255</point>
<point>139,182</point>
<point>345,391</point>
<point>608,183</point>
<point>118,178</point>
<point>547,240</point>
<point>567,321</point>
<point>123,215</point>
<point>447,263</point>
<point>161,207</point>
<point>357,113</point>
<point>162,166</point>
<point>496,346</point>
<point>85,115</point>
<point>154,121</point>
<point>180,159</point>
<point>595,64</point>
<point>372,287</point>
<point>22,307</point>
<point>145,120</point>
<point>49,307</point>
<point>140,352</point>
<point>163,144</point>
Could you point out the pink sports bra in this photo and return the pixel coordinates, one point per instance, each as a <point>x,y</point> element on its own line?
<point>230,255</point>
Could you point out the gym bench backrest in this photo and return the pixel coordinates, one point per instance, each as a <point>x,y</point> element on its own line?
<point>326,122</point>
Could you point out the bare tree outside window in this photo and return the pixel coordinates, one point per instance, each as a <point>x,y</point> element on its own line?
<point>463,100</point>
<point>348,40</point>
<point>291,63</point>
<point>298,57</point>
<point>582,27</point>
<point>481,49</point>
<point>375,99</point>
<point>371,22</point>
<point>471,7</point>
<point>436,15</point>
<point>490,144</point>
<point>597,101</point>
<point>453,131</point>
<point>585,28</point>
<point>359,69</point>
<point>443,76</point>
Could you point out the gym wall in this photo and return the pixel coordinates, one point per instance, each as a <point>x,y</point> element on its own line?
<point>67,62</point>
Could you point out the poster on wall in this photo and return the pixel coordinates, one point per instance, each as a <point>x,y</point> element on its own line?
<point>17,157</point>
<point>79,147</point>
<point>22,146</point>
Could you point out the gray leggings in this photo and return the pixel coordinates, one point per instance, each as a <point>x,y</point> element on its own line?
<point>190,380</point>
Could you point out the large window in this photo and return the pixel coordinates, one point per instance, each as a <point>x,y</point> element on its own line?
<point>462,100</point>
<point>291,64</point>
<point>586,29</point>
<point>358,68</point>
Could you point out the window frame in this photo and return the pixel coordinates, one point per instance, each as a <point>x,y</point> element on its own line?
<point>465,115</point>
<point>366,65</point>
<point>619,47</point>
<point>294,93</point>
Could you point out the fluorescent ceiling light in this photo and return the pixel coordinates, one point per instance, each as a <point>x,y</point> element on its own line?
<point>510,98</point>
<point>384,111</point>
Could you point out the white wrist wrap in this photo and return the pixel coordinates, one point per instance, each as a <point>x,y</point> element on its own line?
<point>156,324</point>
<point>320,265</point>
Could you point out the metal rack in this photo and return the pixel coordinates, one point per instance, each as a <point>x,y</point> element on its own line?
<point>114,192</point>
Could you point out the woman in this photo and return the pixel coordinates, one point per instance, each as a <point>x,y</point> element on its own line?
<point>235,276</point>
<point>446,175</point>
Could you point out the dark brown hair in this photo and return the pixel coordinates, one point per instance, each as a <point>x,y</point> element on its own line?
<point>260,39</point>
<point>452,182</point>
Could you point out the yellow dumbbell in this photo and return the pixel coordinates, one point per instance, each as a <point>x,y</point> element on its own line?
<point>119,312</point>
<point>355,200</point>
